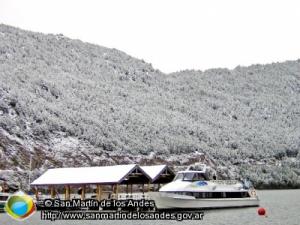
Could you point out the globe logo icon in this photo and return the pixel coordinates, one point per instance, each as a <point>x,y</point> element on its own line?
<point>20,206</point>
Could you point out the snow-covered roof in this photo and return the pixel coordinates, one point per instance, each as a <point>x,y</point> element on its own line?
<point>85,175</point>
<point>154,171</point>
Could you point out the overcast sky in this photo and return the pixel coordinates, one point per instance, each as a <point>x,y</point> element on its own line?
<point>171,34</point>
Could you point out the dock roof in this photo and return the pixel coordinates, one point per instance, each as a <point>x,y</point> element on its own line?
<point>92,175</point>
<point>159,173</point>
<point>154,171</point>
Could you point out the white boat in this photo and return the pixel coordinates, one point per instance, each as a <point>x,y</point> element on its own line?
<point>191,189</point>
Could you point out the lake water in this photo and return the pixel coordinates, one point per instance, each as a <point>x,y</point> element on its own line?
<point>282,206</point>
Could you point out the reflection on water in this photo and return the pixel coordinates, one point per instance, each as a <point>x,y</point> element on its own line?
<point>283,207</point>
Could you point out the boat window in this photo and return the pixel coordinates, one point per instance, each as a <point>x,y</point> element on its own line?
<point>217,195</point>
<point>198,177</point>
<point>188,193</point>
<point>188,176</point>
<point>236,194</point>
<point>179,176</point>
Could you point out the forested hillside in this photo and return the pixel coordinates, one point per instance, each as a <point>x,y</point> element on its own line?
<point>64,102</point>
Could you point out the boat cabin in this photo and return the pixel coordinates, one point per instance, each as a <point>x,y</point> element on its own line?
<point>191,176</point>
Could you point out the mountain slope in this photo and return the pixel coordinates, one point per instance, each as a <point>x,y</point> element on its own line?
<point>68,103</point>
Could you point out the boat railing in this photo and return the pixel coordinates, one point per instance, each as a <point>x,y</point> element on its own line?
<point>226,182</point>
<point>134,196</point>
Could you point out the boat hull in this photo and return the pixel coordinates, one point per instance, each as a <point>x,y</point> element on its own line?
<point>173,201</point>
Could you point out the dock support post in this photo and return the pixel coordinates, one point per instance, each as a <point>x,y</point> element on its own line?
<point>131,188</point>
<point>52,192</point>
<point>99,192</point>
<point>112,191</point>
<point>117,191</point>
<point>36,193</point>
<point>67,192</point>
<point>83,192</point>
